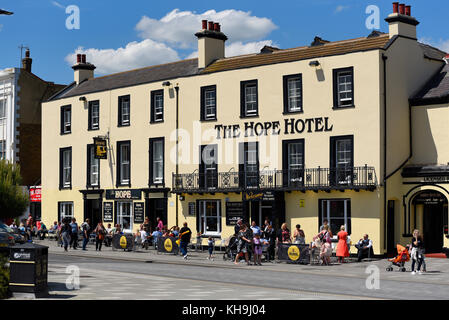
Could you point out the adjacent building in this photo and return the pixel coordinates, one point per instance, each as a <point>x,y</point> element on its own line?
<point>340,131</point>
<point>21,95</point>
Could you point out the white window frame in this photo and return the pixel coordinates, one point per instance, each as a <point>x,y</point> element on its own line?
<point>210,104</point>
<point>327,215</point>
<point>345,87</point>
<point>294,94</point>
<point>158,101</point>
<point>95,116</point>
<point>3,109</point>
<point>94,173</point>
<point>202,216</point>
<point>67,168</point>
<point>295,166</point>
<point>125,163</point>
<point>125,106</point>
<point>120,210</point>
<point>63,208</point>
<point>158,163</point>
<point>67,118</point>
<point>251,99</point>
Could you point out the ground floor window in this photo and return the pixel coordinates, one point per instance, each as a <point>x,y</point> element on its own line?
<point>209,215</point>
<point>337,212</point>
<point>124,216</point>
<point>65,209</point>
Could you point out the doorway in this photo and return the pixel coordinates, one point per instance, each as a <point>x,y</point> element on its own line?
<point>156,207</point>
<point>92,211</point>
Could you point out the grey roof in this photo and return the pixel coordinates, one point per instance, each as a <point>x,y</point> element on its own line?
<point>432,52</point>
<point>130,78</point>
<point>436,91</point>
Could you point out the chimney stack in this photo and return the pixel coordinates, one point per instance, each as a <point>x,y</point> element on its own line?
<point>27,61</point>
<point>211,43</point>
<point>82,70</point>
<point>401,22</point>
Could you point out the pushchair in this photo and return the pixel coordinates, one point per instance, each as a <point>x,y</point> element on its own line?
<point>231,249</point>
<point>400,260</point>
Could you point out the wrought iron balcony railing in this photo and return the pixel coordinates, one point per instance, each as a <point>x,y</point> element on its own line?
<point>326,179</point>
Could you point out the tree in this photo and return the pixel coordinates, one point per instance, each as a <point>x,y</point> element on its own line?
<point>13,200</point>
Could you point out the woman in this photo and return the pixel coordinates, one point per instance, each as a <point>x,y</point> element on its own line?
<point>100,232</point>
<point>285,234</point>
<point>299,236</point>
<point>417,252</point>
<point>243,244</point>
<point>324,240</point>
<point>342,246</point>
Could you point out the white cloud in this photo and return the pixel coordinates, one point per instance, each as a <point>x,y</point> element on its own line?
<point>340,8</point>
<point>57,4</point>
<point>178,28</point>
<point>240,48</point>
<point>134,55</point>
<point>440,44</point>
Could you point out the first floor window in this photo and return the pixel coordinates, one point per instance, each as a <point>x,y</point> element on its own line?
<point>249,99</point>
<point>295,161</point>
<point>123,163</point>
<point>2,149</point>
<point>124,216</point>
<point>209,103</point>
<point>342,159</point>
<point>157,106</point>
<point>93,167</point>
<point>65,210</point>
<point>157,161</point>
<point>293,93</point>
<point>66,168</point>
<point>209,216</point>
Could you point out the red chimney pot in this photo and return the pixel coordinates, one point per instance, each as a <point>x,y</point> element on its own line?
<point>78,58</point>
<point>408,10</point>
<point>402,8</point>
<point>83,58</point>
<point>204,24</point>
<point>395,7</point>
<point>216,27</point>
<point>211,25</point>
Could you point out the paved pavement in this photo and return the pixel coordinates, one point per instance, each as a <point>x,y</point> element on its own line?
<point>146,275</point>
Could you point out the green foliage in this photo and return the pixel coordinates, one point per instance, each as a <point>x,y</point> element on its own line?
<point>13,201</point>
<point>4,278</point>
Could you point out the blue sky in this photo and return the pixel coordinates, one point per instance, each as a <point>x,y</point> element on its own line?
<point>120,35</point>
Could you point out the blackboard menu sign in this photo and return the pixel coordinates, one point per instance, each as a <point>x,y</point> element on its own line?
<point>107,211</point>
<point>234,212</point>
<point>139,212</point>
<point>192,208</point>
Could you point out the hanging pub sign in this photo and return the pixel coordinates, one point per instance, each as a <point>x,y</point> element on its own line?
<point>107,211</point>
<point>35,194</point>
<point>139,212</point>
<point>129,194</point>
<point>101,148</point>
<point>234,212</point>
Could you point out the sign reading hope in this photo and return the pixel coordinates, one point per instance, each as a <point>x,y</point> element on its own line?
<point>291,126</point>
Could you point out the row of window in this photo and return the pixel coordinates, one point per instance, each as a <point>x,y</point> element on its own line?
<point>2,149</point>
<point>249,101</point>
<point>123,173</point>
<point>341,157</point>
<point>336,211</point>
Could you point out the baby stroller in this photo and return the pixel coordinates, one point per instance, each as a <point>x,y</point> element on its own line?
<point>400,260</point>
<point>231,249</point>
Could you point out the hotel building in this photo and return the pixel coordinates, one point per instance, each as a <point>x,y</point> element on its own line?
<point>350,131</point>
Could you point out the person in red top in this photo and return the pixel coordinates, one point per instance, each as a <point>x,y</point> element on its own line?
<point>342,246</point>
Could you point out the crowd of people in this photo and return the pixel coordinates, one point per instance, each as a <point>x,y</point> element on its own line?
<point>30,228</point>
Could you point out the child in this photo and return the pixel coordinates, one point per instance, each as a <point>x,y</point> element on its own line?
<point>210,245</point>
<point>257,249</point>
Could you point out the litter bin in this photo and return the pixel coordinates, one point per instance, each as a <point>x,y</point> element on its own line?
<point>29,269</point>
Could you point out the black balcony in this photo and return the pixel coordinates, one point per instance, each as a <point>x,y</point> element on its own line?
<point>316,179</point>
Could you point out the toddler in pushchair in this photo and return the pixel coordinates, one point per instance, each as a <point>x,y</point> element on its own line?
<point>400,260</point>
<point>231,248</point>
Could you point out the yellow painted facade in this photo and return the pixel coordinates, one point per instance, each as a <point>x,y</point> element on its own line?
<point>408,70</point>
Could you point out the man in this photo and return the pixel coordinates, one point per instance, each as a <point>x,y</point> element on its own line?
<point>270,234</point>
<point>185,234</point>
<point>364,247</point>
<point>74,239</point>
<point>109,234</point>
<point>238,226</point>
<point>156,235</point>
<point>255,228</point>
<point>85,228</point>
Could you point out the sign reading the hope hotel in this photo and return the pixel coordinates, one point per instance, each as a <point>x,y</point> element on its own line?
<point>291,126</point>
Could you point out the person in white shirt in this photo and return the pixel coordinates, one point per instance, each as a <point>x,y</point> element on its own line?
<point>143,237</point>
<point>364,247</point>
<point>254,228</point>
